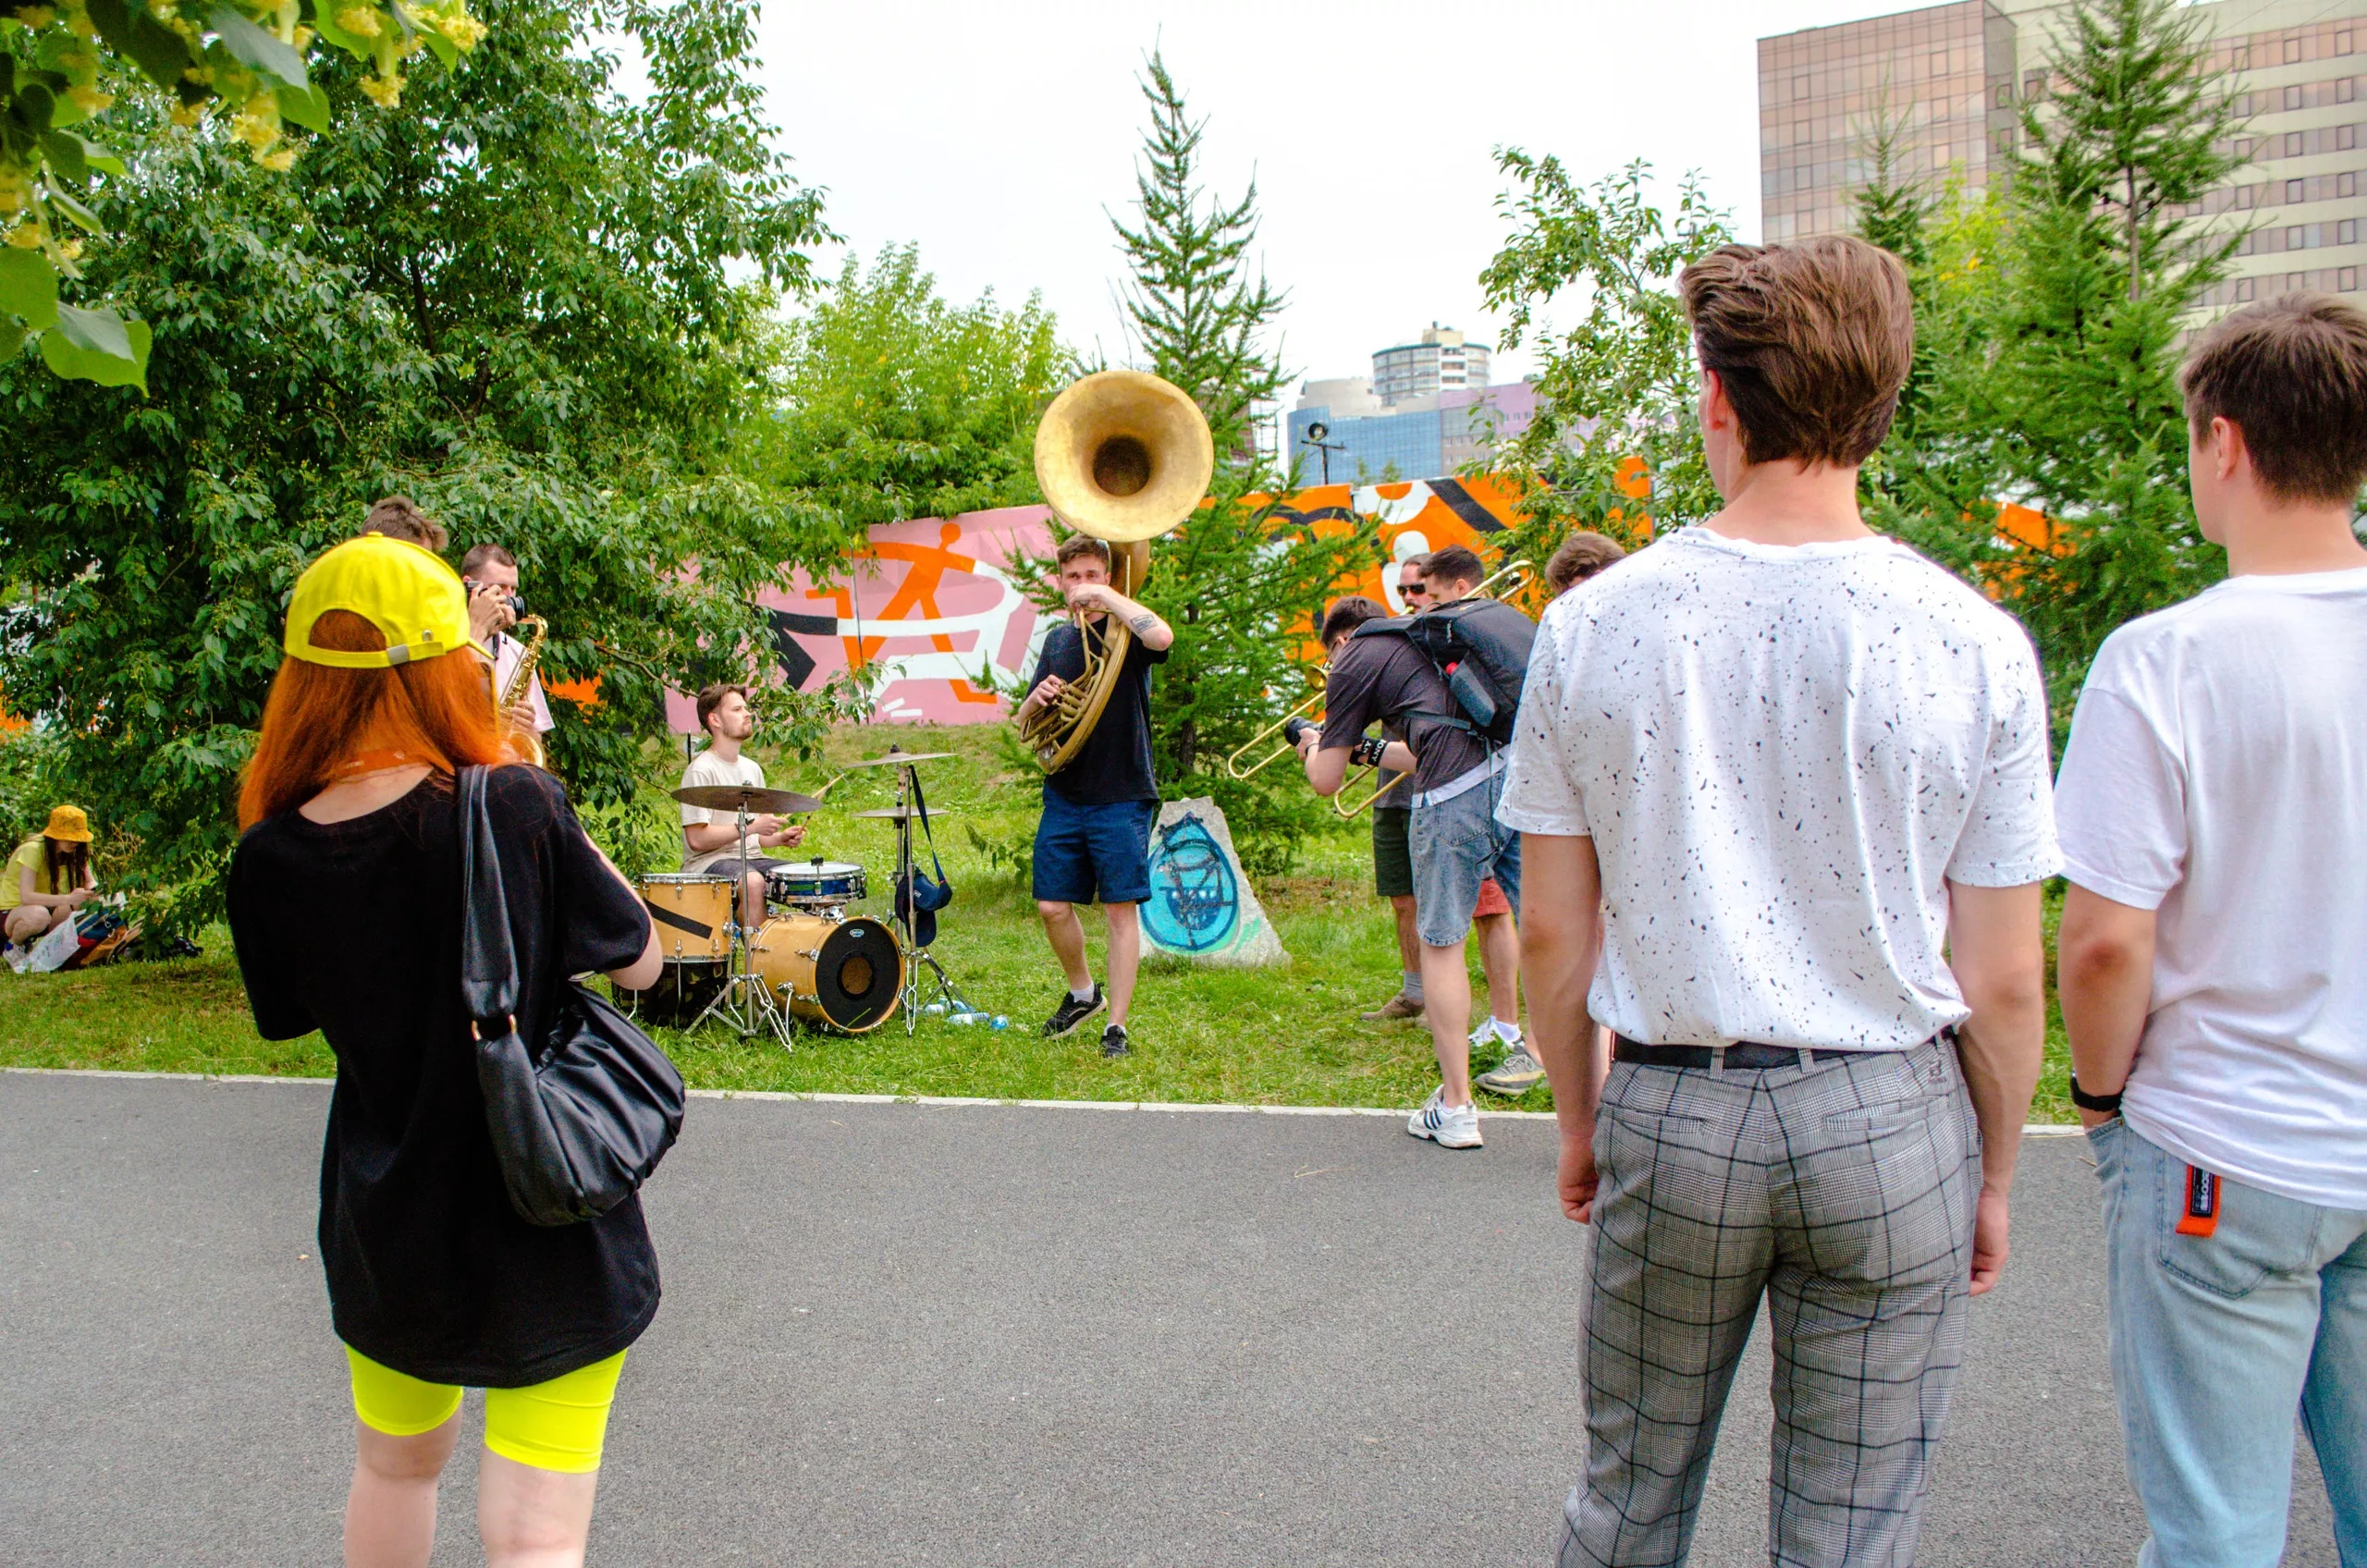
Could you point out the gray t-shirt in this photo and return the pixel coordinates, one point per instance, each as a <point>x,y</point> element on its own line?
<point>1385,680</point>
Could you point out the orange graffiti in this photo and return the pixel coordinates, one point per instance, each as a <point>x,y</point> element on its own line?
<point>926,566</point>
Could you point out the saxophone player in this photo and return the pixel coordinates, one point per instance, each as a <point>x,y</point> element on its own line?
<point>490,574</point>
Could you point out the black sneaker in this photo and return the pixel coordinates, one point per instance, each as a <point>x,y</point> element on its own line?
<point>1071,1013</point>
<point>1113,1040</point>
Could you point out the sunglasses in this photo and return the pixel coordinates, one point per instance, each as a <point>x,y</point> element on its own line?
<point>1408,590</point>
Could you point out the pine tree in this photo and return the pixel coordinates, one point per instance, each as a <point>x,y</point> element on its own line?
<point>1242,587</point>
<point>2105,265</point>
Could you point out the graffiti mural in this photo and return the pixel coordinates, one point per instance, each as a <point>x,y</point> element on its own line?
<point>1201,905</point>
<point>933,614</point>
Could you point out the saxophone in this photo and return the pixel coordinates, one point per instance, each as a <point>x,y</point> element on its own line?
<point>528,743</point>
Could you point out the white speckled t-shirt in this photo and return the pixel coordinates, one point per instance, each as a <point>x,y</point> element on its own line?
<point>1783,754</point>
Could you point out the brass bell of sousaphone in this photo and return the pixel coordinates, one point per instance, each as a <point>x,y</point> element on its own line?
<point>1124,456</point>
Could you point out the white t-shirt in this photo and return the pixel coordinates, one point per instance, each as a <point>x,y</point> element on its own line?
<point>507,652</point>
<point>708,768</point>
<point>1783,755</point>
<point>2217,774</point>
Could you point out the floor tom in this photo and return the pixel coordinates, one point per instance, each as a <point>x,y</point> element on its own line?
<point>692,913</point>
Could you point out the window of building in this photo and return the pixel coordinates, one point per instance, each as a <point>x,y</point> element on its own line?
<point>2346,232</point>
<point>2243,290</point>
<point>2346,137</point>
<point>2292,144</point>
<point>2004,94</point>
<point>2033,86</point>
<point>2292,191</point>
<point>2243,147</point>
<point>2243,198</point>
<point>2293,97</point>
<point>2292,50</point>
<point>1939,61</point>
<point>2346,184</point>
<point>2342,43</point>
<point>2248,244</point>
<point>2348,279</point>
<point>2293,238</point>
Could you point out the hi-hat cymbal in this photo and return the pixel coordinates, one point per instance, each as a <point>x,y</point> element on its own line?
<point>734,797</point>
<point>898,759</point>
<point>898,814</point>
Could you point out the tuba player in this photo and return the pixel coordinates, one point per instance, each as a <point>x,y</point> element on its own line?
<point>1093,839</point>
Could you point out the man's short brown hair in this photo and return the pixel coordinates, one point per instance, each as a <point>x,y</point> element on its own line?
<point>1080,544</point>
<point>479,554</point>
<point>1420,562</point>
<point>398,517</point>
<point>1812,342</point>
<point>2291,374</point>
<point>1455,564</point>
<point>1346,615</point>
<point>711,698</point>
<point>1581,556</point>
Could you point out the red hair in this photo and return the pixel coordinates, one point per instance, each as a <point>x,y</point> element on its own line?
<point>437,710</point>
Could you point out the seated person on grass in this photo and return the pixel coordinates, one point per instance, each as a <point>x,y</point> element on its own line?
<point>48,879</point>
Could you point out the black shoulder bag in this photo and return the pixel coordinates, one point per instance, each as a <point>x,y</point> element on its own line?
<point>580,1120</point>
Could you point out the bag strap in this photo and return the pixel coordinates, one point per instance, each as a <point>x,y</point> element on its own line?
<point>488,961</point>
<point>921,804</point>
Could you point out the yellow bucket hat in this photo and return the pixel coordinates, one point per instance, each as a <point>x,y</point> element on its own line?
<point>67,826</point>
<point>407,593</point>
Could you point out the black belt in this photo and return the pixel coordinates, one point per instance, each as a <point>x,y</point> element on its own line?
<point>1743,1056</point>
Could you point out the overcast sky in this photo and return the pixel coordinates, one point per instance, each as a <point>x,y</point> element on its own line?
<point>998,137</point>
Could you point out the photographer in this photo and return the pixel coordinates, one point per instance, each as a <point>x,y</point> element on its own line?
<point>490,574</point>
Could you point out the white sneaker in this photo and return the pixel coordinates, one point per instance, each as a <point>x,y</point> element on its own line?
<point>1450,1127</point>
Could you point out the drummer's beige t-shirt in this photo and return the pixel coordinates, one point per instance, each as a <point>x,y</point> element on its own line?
<point>708,768</point>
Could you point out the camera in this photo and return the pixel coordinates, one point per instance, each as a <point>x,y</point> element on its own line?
<point>515,603</point>
<point>1293,728</point>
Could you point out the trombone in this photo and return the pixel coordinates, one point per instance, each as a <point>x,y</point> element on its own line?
<point>1349,813</point>
<point>1522,573</point>
<point>1289,744</point>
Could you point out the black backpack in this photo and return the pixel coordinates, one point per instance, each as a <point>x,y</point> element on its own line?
<point>1481,648</point>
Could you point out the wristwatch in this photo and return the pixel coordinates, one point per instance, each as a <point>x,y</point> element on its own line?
<point>2106,1104</point>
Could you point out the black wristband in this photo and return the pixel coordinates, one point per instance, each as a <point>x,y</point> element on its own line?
<point>1369,750</point>
<point>2107,1104</point>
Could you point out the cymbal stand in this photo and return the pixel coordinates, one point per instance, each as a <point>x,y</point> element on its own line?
<point>917,987</point>
<point>746,1001</point>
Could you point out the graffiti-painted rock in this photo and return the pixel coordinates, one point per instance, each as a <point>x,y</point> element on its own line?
<point>1201,907</point>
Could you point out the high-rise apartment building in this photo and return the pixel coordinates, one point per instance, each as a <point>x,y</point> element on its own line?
<point>1952,79</point>
<point>1441,361</point>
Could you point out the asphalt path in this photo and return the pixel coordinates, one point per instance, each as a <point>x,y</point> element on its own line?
<point>978,1336</point>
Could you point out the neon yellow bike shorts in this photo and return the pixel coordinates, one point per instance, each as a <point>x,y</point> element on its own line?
<point>559,1424</point>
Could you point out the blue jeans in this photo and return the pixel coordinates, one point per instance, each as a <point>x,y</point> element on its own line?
<point>2217,1342</point>
<point>1456,845</point>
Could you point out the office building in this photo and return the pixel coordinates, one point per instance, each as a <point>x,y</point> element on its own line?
<point>1952,79</point>
<point>1441,361</point>
<point>1430,437</point>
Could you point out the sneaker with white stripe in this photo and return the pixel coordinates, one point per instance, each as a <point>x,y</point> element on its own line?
<point>1448,1126</point>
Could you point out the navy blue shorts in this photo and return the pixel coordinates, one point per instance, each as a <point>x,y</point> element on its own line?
<point>1083,852</point>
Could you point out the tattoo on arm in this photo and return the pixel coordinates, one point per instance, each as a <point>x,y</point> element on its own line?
<point>1142,622</point>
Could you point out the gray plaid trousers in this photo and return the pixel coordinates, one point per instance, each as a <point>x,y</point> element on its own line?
<point>1846,1190</point>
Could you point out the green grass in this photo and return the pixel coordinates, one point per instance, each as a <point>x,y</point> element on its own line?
<point>1275,1036</point>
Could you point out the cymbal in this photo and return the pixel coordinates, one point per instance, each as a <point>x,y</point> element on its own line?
<point>731,797</point>
<point>898,814</point>
<point>898,759</point>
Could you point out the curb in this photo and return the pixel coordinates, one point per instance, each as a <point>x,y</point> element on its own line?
<point>2033,1129</point>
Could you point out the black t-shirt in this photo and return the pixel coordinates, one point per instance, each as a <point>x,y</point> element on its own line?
<point>1385,680</point>
<point>1115,762</point>
<point>354,928</point>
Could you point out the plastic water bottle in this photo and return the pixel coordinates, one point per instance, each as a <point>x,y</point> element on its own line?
<point>999,1021</point>
<point>935,1010</point>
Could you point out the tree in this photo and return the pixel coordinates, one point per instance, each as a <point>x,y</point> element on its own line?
<point>63,62</point>
<point>1614,445</point>
<point>1243,588</point>
<point>2061,386</point>
<point>512,304</point>
<point>891,403</point>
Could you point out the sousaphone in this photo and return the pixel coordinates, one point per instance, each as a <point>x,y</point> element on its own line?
<point>1124,456</point>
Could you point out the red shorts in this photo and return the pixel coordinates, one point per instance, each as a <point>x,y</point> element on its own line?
<point>1492,900</point>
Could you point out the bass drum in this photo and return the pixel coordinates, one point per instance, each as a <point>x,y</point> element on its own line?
<point>692,913</point>
<point>847,975</point>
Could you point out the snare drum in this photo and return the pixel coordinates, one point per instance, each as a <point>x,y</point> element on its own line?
<point>816,883</point>
<point>693,912</point>
<point>847,973</point>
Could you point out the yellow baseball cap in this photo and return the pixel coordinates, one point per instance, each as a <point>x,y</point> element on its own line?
<point>407,593</point>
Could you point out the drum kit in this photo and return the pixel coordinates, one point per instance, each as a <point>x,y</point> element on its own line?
<point>811,959</point>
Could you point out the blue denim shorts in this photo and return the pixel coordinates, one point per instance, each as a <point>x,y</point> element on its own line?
<point>1458,844</point>
<point>1084,852</point>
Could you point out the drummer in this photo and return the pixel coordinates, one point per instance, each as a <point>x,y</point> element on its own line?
<point>707,846</point>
